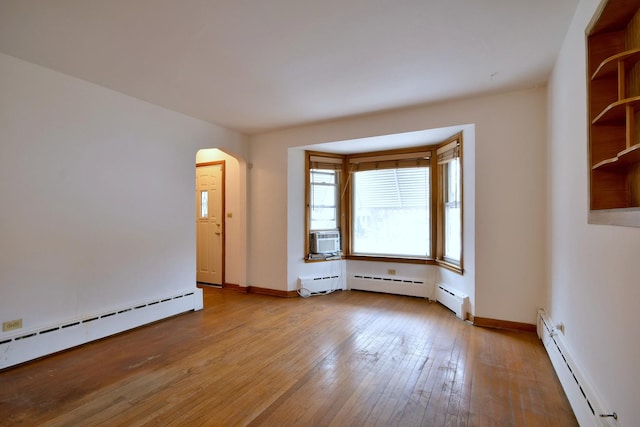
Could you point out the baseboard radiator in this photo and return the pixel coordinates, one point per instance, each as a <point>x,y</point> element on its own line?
<point>320,285</point>
<point>32,344</point>
<point>453,299</point>
<point>414,287</point>
<point>586,404</point>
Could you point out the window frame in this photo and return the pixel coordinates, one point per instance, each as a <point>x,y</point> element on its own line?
<point>333,206</point>
<point>309,155</point>
<point>455,142</point>
<point>345,198</point>
<point>387,156</point>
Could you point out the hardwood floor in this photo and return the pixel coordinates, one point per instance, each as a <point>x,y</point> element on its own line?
<point>345,359</point>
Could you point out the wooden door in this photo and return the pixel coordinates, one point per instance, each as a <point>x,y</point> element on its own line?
<point>210,223</point>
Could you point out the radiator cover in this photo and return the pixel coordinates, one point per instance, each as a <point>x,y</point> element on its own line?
<point>31,344</point>
<point>453,299</point>
<point>320,285</point>
<point>585,402</point>
<point>415,287</point>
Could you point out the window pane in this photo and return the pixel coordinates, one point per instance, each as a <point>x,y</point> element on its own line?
<point>323,219</point>
<point>452,211</point>
<point>204,204</point>
<point>323,195</point>
<point>323,176</point>
<point>324,200</point>
<point>391,213</point>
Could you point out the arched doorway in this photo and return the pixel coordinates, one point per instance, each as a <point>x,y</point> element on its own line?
<point>231,217</point>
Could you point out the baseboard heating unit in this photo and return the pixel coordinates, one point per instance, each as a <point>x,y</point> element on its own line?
<point>414,287</point>
<point>453,299</point>
<point>586,405</point>
<point>34,343</point>
<point>320,285</point>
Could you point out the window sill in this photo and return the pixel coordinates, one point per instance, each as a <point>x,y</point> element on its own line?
<point>332,258</point>
<point>449,266</point>
<point>425,261</point>
<point>404,260</point>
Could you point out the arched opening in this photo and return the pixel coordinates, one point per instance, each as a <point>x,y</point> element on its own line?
<point>233,218</point>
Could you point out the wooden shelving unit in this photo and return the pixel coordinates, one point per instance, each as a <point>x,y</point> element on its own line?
<point>625,158</point>
<point>609,66</point>
<point>613,51</point>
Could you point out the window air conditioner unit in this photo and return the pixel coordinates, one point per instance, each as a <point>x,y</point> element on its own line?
<point>325,242</point>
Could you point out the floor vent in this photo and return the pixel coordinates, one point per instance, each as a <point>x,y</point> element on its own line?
<point>583,398</point>
<point>50,339</point>
<point>415,287</point>
<point>453,299</point>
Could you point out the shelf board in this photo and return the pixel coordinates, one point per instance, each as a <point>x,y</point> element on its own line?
<point>615,113</point>
<point>629,156</point>
<point>606,164</point>
<point>610,65</point>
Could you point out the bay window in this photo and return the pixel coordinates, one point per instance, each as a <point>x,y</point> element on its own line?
<point>399,205</point>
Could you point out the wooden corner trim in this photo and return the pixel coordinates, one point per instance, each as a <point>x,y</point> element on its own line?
<point>260,291</point>
<point>503,324</point>
<point>235,287</point>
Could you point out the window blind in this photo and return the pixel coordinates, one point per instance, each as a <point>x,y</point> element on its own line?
<point>448,152</point>
<point>325,163</point>
<point>391,161</point>
<point>393,188</point>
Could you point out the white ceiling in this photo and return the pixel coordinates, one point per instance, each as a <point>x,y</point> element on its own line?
<point>256,65</point>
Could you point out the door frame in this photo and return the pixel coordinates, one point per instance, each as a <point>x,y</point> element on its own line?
<point>223,194</point>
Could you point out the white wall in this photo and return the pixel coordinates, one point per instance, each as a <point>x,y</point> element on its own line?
<point>97,196</point>
<point>235,215</point>
<point>510,167</point>
<point>593,269</point>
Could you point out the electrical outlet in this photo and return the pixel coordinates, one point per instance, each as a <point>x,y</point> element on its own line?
<point>11,325</point>
<point>391,272</point>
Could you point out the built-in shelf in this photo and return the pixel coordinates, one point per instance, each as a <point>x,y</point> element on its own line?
<point>613,75</point>
<point>627,157</point>
<point>609,66</point>
<point>630,156</point>
<point>616,113</point>
<point>605,163</point>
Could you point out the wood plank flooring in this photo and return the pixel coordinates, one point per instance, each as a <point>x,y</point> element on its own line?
<point>345,359</point>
